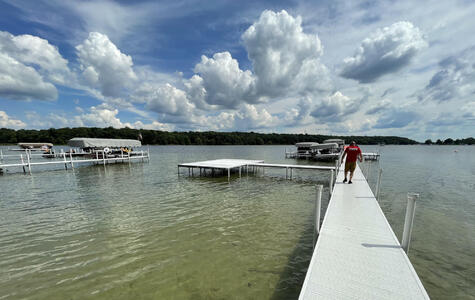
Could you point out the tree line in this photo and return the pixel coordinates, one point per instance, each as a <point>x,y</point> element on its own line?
<point>449,141</point>
<point>61,136</point>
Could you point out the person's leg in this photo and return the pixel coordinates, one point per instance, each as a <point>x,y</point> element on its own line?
<point>347,169</point>
<point>352,171</point>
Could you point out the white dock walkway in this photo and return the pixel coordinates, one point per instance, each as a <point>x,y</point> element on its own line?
<point>357,255</point>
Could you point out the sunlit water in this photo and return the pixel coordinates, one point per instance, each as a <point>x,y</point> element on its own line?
<point>140,231</point>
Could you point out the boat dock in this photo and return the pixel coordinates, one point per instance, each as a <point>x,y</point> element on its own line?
<point>371,156</point>
<point>241,165</point>
<point>67,159</point>
<point>357,255</point>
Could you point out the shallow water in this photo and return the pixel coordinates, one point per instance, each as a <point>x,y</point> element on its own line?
<point>141,231</point>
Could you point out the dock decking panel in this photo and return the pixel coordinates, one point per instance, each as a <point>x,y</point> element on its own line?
<point>357,255</point>
<point>308,167</point>
<point>221,163</point>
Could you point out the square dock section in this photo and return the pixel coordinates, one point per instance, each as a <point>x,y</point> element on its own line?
<point>220,164</point>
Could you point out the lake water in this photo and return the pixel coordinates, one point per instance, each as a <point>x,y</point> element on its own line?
<point>140,231</point>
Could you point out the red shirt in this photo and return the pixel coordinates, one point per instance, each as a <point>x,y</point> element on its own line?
<point>352,153</point>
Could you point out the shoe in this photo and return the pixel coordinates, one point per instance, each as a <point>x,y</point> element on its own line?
<point>349,182</point>
<point>344,180</point>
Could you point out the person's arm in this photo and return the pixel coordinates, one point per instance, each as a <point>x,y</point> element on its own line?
<point>360,154</point>
<point>344,154</point>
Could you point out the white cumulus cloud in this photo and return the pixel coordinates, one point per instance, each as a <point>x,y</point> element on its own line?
<point>37,52</point>
<point>222,82</point>
<point>282,54</point>
<point>104,66</point>
<point>100,117</point>
<point>21,82</point>
<point>7,122</point>
<point>386,51</point>
<point>335,107</point>
<point>164,99</point>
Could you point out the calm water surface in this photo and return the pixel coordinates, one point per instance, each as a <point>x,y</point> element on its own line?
<point>140,231</point>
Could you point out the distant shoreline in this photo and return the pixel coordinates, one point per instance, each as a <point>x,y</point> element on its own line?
<point>155,137</point>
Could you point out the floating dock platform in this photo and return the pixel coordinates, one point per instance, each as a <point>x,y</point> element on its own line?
<point>357,255</point>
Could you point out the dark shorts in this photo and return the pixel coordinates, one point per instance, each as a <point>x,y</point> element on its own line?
<point>350,166</point>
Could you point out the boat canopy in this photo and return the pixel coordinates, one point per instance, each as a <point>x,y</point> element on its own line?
<point>103,143</point>
<point>338,141</point>
<point>325,146</point>
<point>305,144</point>
<point>35,145</point>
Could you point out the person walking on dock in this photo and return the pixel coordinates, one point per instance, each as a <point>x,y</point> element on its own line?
<point>352,153</point>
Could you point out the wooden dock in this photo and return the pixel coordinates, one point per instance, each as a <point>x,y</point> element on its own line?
<point>357,255</point>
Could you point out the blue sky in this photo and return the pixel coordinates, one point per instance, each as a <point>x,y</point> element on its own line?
<point>326,67</point>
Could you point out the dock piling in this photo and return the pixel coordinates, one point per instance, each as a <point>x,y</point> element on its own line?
<point>28,161</point>
<point>64,159</point>
<point>22,163</point>
<point>331,182</point>
<point>318,208</point>
<point>71,158</point>
<point>409,220</point>
<point>378,184</point>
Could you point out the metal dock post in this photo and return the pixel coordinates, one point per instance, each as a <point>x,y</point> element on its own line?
<point>409,220</point>
<point>318,208</point>
<point>22,163</point>
<point>378,184</point>
<point>28,159</point>
<point>71,158</point>
<point>64,158</point>
<point>331,182</point>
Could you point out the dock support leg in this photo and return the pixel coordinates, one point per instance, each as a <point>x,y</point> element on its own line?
<point>318,208</point>
<point>286,173</point>
<point>378,184</point>
<point>240,172</point>
<point>23,163</point>
<point>28,159</point>
<point>64,158</point>
<point>229,174</point>
<point>331,182</point>
<point>409,220</point>
<point>71,157</point>
<point>291,173</point>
